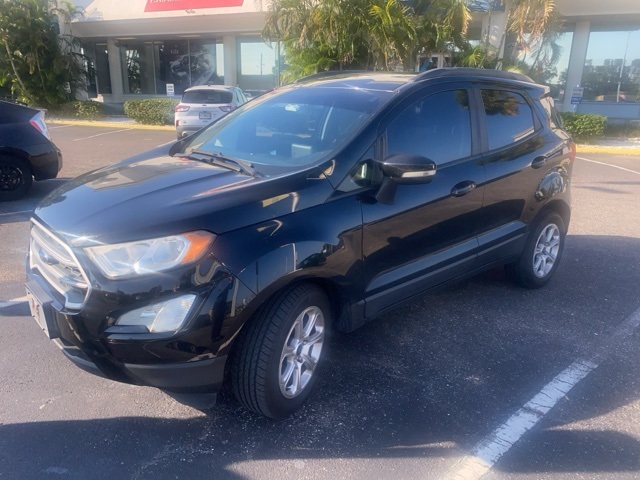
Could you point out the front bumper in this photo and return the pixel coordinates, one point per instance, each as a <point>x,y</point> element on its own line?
<point>184,370</point>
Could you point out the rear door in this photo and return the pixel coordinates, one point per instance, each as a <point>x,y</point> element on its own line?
<point>519,152</point>
<point>428,235</point>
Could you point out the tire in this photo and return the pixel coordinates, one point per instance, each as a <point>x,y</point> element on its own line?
<point>541,254</point>
<point>275,364</point>
<point>15,178</point>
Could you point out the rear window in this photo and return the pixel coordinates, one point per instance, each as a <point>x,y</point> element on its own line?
<point>207,96</point>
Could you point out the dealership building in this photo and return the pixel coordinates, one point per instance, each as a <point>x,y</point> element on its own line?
<point>138,47</point>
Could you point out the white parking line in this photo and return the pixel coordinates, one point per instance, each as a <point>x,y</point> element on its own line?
<point>59,126</point>
<point>609,165</point>
<point>104,133</point>
<point>15,301</point>
<point>486,453</point>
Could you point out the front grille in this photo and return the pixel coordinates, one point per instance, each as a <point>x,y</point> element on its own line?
<point>55,262</point>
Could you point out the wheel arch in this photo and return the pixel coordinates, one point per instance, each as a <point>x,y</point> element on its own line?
<point>559,206</point>
<point>18,154</point>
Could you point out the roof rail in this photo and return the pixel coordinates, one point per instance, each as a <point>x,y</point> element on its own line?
<point>328,74</point>
<point>482,72</point>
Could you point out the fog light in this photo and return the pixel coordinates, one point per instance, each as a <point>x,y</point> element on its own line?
<point>160,317</point>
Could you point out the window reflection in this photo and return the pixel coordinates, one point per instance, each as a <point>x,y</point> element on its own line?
<point>508,117</point>
<point>612,67</point>
<point>148,66</point>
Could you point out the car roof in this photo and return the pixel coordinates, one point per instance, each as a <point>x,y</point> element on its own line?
<point>391,81</point>
<point>209,87</point>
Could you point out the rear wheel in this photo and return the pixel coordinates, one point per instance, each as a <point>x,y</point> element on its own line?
<point>541,255</point>
<point>15,178</point>
<point>275,364</point>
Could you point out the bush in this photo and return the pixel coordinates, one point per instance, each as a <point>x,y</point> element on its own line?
<point>151,111</point>
<point>86,109</point>
<point>583,126</point>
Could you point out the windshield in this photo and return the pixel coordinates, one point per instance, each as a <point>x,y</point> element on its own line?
<point>295,127</point>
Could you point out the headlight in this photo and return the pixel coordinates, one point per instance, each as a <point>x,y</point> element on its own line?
<point>150,256</point>
<point>160,317</point>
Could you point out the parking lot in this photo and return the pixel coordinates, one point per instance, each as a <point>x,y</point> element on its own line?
<point>440,388</point>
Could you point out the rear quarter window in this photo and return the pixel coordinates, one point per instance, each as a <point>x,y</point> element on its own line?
<point>509,117</point>
<point>207,96</point>
<point>553,117</point>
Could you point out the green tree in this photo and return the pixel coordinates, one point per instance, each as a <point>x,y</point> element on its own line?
<point>37,64</point>
<point>340,34</point>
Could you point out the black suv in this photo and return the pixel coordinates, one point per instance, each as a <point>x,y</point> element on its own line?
<point>229,255</point>
<point>26,150</point>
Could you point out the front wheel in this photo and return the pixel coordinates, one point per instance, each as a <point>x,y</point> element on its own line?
<point>276,361</point>
<point>541,255</point>
<point>15,178</point>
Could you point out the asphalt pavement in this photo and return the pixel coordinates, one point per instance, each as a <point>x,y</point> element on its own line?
<point>423,392</point>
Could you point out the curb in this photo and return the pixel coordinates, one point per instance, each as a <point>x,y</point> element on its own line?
<point>89,123</point>
<point>610,150</point>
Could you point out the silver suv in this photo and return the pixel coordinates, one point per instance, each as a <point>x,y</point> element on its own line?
<point>203,104</point>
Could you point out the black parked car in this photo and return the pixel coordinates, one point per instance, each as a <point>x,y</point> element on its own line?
<point>229,255</point>
<point>26,150</point>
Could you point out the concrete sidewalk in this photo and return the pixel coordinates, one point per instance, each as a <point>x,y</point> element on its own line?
<point>614,146</point>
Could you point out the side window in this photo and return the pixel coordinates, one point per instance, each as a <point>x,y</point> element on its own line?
<point>508,117</point>
<point>360,176</point>
<point>437,127</point>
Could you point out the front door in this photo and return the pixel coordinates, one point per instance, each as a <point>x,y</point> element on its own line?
<point>428,234</point>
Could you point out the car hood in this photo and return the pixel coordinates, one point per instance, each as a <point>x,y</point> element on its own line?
<point>165,195</point>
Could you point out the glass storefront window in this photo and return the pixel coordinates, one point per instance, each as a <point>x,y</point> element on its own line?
<point>97,66</point>
<point>148,66</point>
<point>174,65</point>
<point>612,67</point>
<point>258,70</point>
<point>138,67</point>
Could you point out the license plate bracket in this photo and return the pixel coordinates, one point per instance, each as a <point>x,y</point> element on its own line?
<point>40,305</point>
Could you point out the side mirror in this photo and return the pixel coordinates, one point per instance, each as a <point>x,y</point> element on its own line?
<point>403,168</point>
<point>408,168</point>
<point>176,147</point>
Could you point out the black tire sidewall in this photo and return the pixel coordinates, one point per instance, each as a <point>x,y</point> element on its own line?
<point>27,179</point>
<point>277,404</point>
<point>525,273</point>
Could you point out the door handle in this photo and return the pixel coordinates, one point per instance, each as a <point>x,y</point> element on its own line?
<point>538,162</point>
<point>462,188</point>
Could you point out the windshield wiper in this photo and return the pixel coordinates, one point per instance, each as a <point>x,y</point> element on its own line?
<point>218,159</point>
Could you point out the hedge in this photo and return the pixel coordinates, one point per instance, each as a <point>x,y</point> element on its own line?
<point>85,109</point>
<point>151,111</point>
<point>583,126</point>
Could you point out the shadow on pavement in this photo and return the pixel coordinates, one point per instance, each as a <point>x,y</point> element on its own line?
<point>25,206</point>
<point>427,381</point>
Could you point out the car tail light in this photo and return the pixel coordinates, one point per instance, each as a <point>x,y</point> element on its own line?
<point>572,151</point>
<point>182,108</point>
<point>227,108</point>
<point>37,122</point>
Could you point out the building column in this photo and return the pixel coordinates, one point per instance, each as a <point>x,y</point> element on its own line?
<point>576,61</point>
<point>494,27</point>
<point>229,44</point>
<point>115,71</point>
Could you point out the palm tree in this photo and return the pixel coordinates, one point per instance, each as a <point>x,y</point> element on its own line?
<point>531,27</point>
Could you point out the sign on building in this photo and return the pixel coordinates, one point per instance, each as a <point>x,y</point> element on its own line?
<point>576,95</point>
